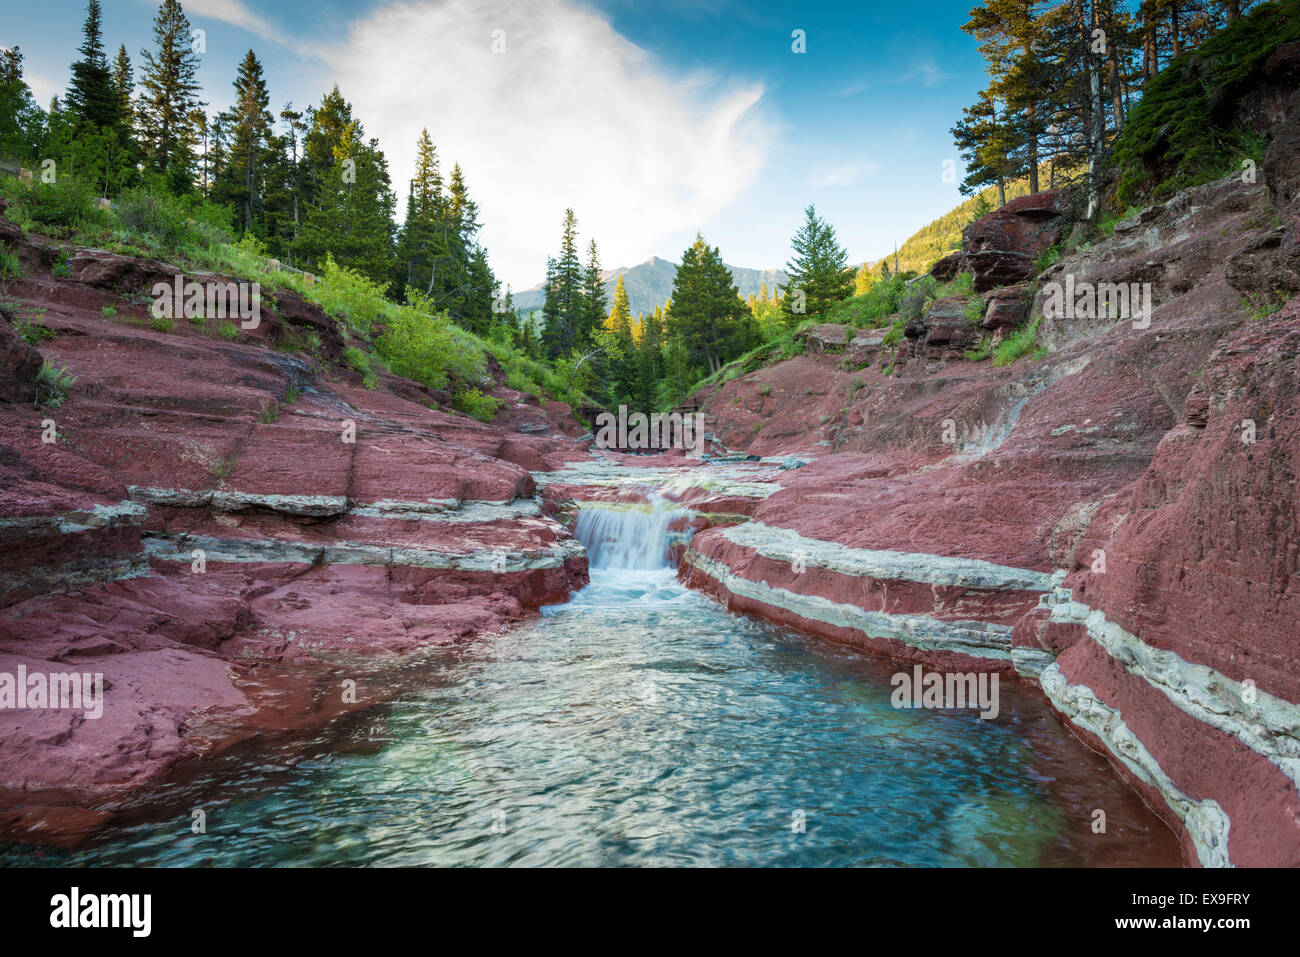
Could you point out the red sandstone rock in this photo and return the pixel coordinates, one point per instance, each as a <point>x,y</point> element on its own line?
<point>827,337</point>
<point>317,550</point>
<point>947,268</point>
<point>1001,248</point>
<point>19,364</point>
<point>1007,307</point>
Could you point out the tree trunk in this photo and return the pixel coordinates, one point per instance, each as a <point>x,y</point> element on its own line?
<point>1234,10</point>
<point>1096,120</point>
<point>1150,60</point>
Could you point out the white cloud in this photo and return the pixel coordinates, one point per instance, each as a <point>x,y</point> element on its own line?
<point>236,14</point>
<point>845,174</point>
<point>922,72</point>
<point>571,114</point>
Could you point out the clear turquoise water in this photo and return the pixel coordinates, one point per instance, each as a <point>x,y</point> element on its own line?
<point>641,724</point>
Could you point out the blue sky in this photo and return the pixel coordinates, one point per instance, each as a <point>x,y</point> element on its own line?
<point>653,120</point>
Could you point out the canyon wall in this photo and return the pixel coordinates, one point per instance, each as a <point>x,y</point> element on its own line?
<point>237,535</point>
<point>1115,521</point>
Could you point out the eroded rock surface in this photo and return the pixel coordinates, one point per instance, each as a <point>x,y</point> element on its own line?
<point>1115,521</point>
<point>227,532</point>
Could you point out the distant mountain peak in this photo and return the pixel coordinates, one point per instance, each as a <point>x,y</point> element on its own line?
<point>650,284</point>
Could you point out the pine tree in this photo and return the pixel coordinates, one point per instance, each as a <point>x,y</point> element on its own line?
<point>92,98</point>
<point>621,351</point>
<point>124,87</point>
<point>202,140</point>
<point>22,122</point>
<point>460,232</point>
<point>985,142</point>
<point>565,306</point>
<point>863,280</point>
<point>1008,31</point>
<point>819,273</point>
<point>241,183</point>
<point>169,94</point>
<point>348,213</point>
<point>479,294</point>
<point>422,245</point>
<point>708,314</point>
<point>294,128</point>
<point>593,293</point>
<point>649,361</point>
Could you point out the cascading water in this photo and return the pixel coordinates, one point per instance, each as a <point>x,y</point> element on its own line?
<point>631,537</point>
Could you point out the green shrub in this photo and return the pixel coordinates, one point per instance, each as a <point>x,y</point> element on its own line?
<point>108,312</point>
<point>917,296</point>
<point>228,330</point>
<point>52,384</point>
<point>1047,259</point>
<point>61,267</point>
<point>1261,307</point>
<point>894,334</point>
<point>1017,345</point>
<point>11,268</point>
<point>354,358</point>
<point>475,404</point>
<point>161,324</point>
<point>348,296</point>
<point>1180,134</point>
<point>34,330</point>
<point>429,349</point>
<point>170,226</point>
<point>866,311</point>
<point>63,208</point>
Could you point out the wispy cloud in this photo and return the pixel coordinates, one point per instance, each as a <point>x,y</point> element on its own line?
<point>922,72</point>
<point>844,174</point>
<point>566,112</point>
<point>236,14</point>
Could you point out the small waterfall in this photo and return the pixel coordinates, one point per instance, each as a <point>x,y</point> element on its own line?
<point>626,536</point>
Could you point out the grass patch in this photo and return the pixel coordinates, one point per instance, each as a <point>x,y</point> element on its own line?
<point>1047,259</point>
<point>356,360</point>
<point>161,324</point>
<point>1261,307</point>
<point>62,209</point>
<point>222,468</point>
<point>1019,344</point>
<point>52,384</point>
<point>33,330</point>
<point>228,331</point>
<point>11,268</point>
<point>894,334</point>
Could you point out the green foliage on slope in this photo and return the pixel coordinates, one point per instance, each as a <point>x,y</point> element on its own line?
<point>1182,133</point>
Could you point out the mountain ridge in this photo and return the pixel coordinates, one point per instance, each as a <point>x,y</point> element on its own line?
<point>650,284</point>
